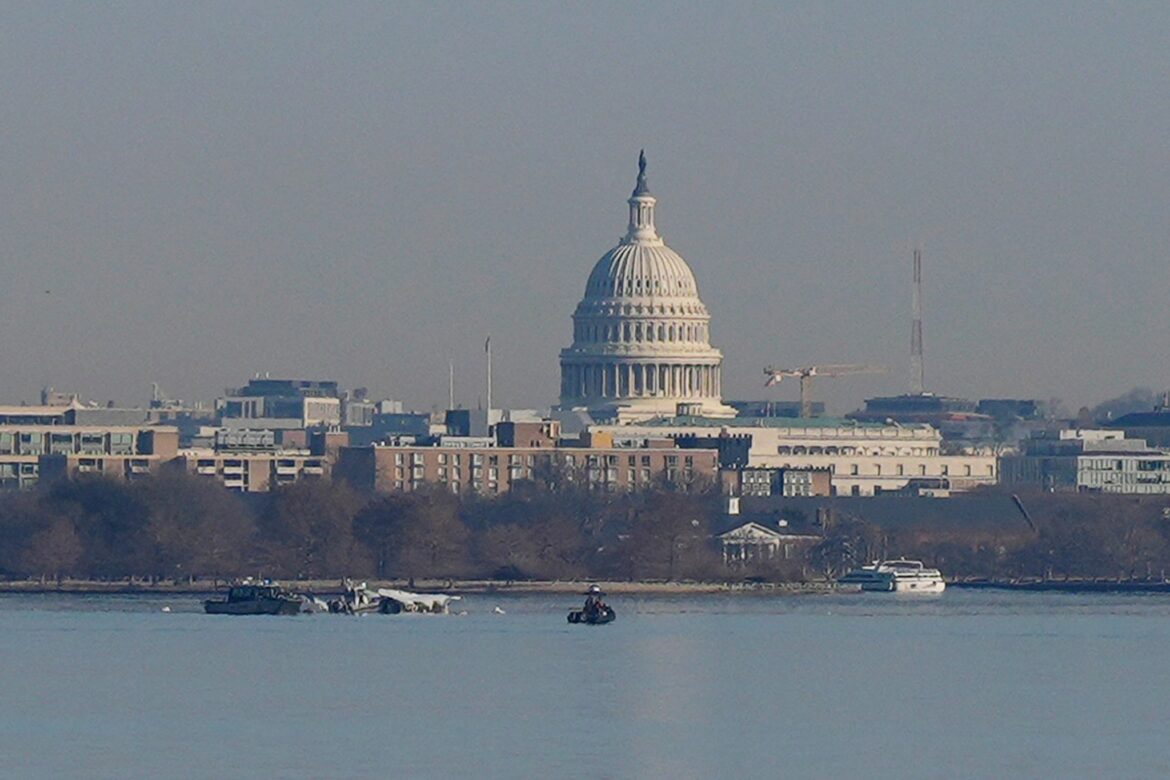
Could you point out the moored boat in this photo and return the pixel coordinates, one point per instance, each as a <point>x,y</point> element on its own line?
<point>896,576</point>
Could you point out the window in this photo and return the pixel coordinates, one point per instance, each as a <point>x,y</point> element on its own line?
<point>32,444</point>
<point>853,469</point>
<point>120,443</point>
<point>95,443</point>
<point>61,443</point>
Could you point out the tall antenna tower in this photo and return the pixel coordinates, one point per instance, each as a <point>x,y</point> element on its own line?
<point>487,347</point>
<point>917,386</point>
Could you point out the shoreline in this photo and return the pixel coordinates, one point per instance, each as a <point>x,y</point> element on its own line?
<point>332,587</point>
<point>459,587</point>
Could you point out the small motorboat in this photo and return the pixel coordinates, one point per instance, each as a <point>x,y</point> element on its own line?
<point>249,598</point>
<point>601,616</point>
<point>595,612</point>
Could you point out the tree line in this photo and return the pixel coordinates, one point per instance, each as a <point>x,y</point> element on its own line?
<point>1067,536</point>
<point>175,526</point>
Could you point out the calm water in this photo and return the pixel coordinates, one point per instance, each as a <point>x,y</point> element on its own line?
<point>970,684</point>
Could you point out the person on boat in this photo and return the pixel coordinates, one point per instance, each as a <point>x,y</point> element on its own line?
<point>593,601</point>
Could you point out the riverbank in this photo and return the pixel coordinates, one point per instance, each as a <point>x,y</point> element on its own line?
<point>1070,586</point>
<point>334,586</point>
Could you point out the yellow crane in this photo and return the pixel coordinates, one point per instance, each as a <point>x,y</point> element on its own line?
<point>807,373</point>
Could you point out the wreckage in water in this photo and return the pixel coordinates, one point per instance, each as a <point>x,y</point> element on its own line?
<point>360,599</point>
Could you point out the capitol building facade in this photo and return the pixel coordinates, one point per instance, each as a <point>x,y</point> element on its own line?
<point>641,335</point>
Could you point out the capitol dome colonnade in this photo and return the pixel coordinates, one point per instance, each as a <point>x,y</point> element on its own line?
<point>641,334</point>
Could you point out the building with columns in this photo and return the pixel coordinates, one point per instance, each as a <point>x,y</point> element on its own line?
<point>641,336</point>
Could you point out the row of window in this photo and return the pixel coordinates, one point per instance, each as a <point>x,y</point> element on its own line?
<point>899,470</point>
<point>638,332</point>
<point>920,452</point>
<point>67,443</point>
<point>1118,464</point>
<point>417,460</point>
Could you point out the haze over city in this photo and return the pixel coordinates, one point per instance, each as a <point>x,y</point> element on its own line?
<point>194,194</point>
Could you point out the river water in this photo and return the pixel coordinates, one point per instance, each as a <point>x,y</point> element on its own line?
<point>966,685</point>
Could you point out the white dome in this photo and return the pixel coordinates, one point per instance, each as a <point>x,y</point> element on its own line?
<point>641,270</point>
<point>640,333</point>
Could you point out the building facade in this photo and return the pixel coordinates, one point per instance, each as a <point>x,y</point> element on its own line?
<point>1089,461</point>
<point>30,454</point>
<point>493,470</point>
<point>860,459</point>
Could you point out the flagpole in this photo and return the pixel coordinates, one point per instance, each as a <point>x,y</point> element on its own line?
<point>487,346</point>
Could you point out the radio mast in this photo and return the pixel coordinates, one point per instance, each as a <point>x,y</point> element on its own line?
<point>917,386</point>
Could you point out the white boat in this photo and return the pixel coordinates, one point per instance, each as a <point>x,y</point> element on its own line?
<point>900,576</point>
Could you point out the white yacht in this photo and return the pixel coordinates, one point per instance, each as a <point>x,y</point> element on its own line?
<point>900,576</point>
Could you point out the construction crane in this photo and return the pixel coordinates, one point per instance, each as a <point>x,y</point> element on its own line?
<point>807,374</point>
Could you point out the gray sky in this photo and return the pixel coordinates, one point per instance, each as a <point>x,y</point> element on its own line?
<point>194,192</point>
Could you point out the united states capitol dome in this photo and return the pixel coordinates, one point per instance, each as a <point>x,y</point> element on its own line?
<point>640,333</point>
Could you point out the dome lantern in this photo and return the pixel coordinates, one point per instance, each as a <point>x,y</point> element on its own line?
<point>641,202</point>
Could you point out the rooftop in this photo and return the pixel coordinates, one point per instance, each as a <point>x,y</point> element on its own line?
<point>685,421</point>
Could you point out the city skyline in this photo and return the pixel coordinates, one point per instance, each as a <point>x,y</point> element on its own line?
<point>194,196</point>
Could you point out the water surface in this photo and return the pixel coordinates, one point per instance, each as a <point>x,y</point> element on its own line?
<point>969,684</point>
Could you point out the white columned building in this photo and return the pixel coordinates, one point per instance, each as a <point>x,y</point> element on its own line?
<point>641,335</point>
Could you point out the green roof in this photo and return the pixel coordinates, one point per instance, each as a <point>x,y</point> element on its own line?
<point>685,421</point>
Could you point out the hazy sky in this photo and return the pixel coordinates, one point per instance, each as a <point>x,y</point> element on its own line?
<point>191,193</point>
